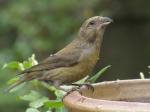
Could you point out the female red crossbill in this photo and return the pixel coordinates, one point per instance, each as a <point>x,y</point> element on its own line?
<point>73,62</point>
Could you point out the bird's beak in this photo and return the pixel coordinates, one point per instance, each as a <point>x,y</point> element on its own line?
<point>103,22</point>
<point>106,21</point>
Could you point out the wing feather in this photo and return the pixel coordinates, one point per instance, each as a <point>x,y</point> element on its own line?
<point>55,61</point>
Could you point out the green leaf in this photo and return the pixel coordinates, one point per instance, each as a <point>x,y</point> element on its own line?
<point>32,110</point>
<point>82,81</point>
<point>14,65</point>
<point>48,111</point>
<point>59,94</point>
<point>142,75</point>
<point>53,104</point>
<point>27,64</point>
<point>32,60</point>
<point>21,66</point>
<point>32,96</point>
<point>18,87</point>
<point>38,102</point>
<point>49,87</point>
<point>97,75</point>
<point>11,65</point>
<point>61,109</point>
<point>13,80</point>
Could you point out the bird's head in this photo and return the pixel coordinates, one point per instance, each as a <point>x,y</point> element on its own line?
<point>93,28</point>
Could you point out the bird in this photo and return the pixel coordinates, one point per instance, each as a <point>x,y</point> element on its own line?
<point>73,62</point>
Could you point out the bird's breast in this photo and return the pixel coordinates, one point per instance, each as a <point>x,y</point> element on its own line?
<point>89,57</point>
<point>86,63</point>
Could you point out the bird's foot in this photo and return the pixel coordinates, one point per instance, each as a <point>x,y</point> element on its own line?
<point>72,90</point>
<point>77,88</point>
<point>89,86</point>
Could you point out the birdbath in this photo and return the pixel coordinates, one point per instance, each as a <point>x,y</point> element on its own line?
<point>111,96</point>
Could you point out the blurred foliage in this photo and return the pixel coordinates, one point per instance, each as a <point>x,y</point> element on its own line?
<point>43,27</point>
<point>28,26</point>
<point>38,24</point>
<point>37,93</point>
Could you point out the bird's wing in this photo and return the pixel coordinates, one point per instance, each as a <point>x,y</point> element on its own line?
<point>55,61</point>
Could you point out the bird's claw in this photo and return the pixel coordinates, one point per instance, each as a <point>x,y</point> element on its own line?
<point>89,86</point>
<point>72,90</point>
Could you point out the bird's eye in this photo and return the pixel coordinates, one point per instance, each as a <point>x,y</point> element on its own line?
<point>92,23</point>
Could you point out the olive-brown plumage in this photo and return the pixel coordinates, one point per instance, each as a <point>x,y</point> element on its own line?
<point>73,62</point>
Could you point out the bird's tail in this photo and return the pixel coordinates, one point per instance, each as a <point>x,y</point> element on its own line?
<point>18,82</point>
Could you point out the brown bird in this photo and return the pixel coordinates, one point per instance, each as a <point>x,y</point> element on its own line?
<point>73,62</point>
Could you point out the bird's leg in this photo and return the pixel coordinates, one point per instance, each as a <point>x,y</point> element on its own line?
<point>57,84</point>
